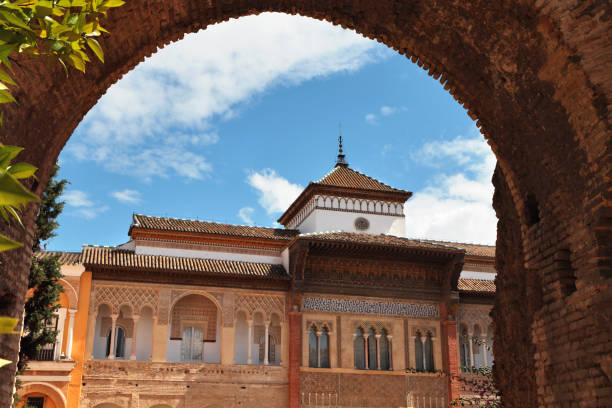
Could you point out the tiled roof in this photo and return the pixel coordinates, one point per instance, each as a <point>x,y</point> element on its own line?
<point>344,176</point>
<point>205,227</point>
<point>470,249</point>
<point>105,256</point>
<point>476,286</point>
<point>386,240</point>
<point>65,258</point>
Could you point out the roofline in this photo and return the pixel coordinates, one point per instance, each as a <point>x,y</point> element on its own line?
<point>441,249</point>
<point>401,196</point>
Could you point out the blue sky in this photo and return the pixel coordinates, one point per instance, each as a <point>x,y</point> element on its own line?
<point>230,124</point>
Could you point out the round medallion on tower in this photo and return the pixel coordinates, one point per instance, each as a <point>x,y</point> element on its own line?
<point>362,224</point>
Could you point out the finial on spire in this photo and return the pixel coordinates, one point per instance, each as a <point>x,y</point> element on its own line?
<point>341,161</point>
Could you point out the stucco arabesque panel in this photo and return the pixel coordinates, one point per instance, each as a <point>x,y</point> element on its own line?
<point>472,315</point>
<point>117,296</point>
<point>267,304</point>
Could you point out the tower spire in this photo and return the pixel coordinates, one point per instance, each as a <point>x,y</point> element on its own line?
<point>341,161</point>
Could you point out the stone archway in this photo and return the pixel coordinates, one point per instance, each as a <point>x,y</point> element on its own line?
<point>534,74</point>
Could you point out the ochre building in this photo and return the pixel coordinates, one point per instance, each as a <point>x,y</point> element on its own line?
<point>338,309</point>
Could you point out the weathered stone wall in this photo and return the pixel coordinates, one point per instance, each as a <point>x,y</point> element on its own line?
<point>319,388</point>
<point>536,75</point>
<point>183,385</point>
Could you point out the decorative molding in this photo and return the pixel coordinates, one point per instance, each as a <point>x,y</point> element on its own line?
<point>346,204</point>
<point>376,307</point>
<point>117,296</point>
<point>267,304</point>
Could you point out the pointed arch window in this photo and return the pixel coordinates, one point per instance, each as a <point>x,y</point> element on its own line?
<point>384,351</point>
<point>429,358</point>
<point>372,350</point>
<point>418,352</point>
<point>313,349</point>
<point>324,348</point>
<point>119,342</point>
<point>359,349</point>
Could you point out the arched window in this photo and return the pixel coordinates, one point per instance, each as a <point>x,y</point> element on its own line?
<point>312,348</point>
<point>418,352</point>
<point>119,342</point>
<point>372,354</point>
<point>271,349</point>
<point>324,348</point>
<point>429,358</point>
<point>464,351</point>
<point>384,351</point>
<point>359,346</point>
<point>192,344</point>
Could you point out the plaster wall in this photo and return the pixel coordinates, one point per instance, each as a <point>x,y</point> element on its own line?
<point>321,220</point>
<point>191,253</point>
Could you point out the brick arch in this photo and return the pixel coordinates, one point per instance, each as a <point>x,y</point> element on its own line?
<point>48,390</point>
<point>531,73</point>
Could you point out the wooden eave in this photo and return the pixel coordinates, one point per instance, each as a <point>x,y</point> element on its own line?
<point>192,237</point>
<point>162,275</point>
<point>312,189</point>
<point>480,259</point>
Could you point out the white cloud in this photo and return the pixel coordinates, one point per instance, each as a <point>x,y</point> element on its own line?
<point>276,193</point>
<point>144,125</point>
<point>84,206</point>
<point>246,215</point>
<point>127,196</point>
<point>77,198</point>
<point>387,110</point>
<point>370,118</point>
<point>455,207</point>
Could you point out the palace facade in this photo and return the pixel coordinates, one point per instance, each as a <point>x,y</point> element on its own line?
<point>337,309</point>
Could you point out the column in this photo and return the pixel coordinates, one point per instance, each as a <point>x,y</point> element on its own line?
<point>377,351</point>
<point>91,330</point>
<point>111,351</point>
<point>484,350</point>
<point>295,345</point>
<point>390,340</point>
<point>365,346</point>
<point>471,342</point>
<point>318,333</point>
<point>133,352</point>
<point>250,342</point>
<point>424,357</point>
<point>71,316</point>
<point>266,342</point>
<point>333,353</point>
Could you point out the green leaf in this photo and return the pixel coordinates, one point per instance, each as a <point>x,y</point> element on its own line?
<point>112,3</point>
<point>12,211</point>
<point>7,154</point>
<point>8,324</point>
<point>4,77</point>
<point>95,47</point>
<point>22,170</point>
<point>6,97</point>
<point>13,193</point>
<point>76,61</point>
<point>12,19</point>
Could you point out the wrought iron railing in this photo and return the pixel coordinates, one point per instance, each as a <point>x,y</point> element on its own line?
<point>46,353</point>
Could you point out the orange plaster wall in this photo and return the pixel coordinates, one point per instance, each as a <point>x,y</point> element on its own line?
<point>64,302</point>
<point>78,340</point>
<point>48,401</point>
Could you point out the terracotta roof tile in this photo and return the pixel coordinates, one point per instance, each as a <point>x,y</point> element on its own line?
<point>382,239</point>
<point>470,249</point>
<point>476,286</point>
<point>65,258</point>
<point>342,176</point>
<point>114,257</point>
<point>205,227</point>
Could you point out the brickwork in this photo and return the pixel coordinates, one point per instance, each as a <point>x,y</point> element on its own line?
<point>536,75</point>
<point>295,352</point>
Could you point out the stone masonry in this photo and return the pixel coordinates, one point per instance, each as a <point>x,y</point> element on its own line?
<point>537,77</point>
